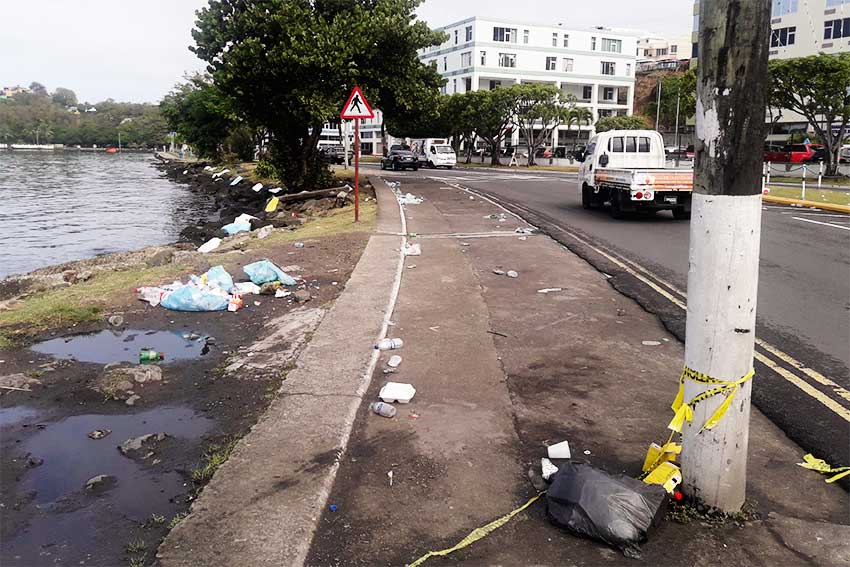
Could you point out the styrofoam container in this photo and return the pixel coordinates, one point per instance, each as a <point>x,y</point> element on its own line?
<point>396,392</point>
<point>559,450</point>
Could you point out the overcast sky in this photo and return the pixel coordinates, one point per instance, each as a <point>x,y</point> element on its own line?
<point>135,50</point>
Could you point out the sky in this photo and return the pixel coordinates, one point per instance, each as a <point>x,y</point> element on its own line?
<point>136,50</point>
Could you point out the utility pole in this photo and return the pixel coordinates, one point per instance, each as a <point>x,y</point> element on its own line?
<point>724,246</point>
<point>658,106</point>
<point>678,98</point>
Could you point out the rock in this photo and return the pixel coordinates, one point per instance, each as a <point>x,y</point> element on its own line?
<point>512,274</point>
<point>33,462</point>
<point>302,296</point>
<point>118,381</point>
<point>99,433</point>
<point>116,320</point>
<point>73,277</point>
<point>499,272</point>
<point>142,446</point>
<point>100,482</point>
<point>19,381</point>
<point>161,258</point>
<point>124,386</point>
<point>131,401</point>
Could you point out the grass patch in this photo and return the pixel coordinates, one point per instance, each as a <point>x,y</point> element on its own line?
<point>176,520</point>
<point>136,546</point>
<point>80,303</point>
<point>337,221</point>
<point>138,561</point>
<point>347,175</point>
<point>812,180</point>
<point>215,456</point>
<point>812,194</point>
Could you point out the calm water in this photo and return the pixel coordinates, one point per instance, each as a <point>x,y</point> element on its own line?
<point>61,206</point>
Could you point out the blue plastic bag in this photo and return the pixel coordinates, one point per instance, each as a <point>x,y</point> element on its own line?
<point>264,271</point>
<point>193,298</point>
<point>217,276</point>
<point>235,227</point>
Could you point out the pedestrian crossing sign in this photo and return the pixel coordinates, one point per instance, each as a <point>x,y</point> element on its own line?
<point>356,106</point>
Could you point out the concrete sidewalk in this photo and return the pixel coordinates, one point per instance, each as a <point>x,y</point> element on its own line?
<point>501,371</point>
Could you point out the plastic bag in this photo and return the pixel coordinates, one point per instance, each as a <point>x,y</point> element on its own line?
<point>264,271</point>
<point>193,298</point>
<point>618,510</point>
<point>217,276</point>
<point>235,227</point>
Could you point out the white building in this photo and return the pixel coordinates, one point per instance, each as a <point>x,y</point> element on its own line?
<point>596,66</point>
<point>655,52</point>
<point>370,135</point>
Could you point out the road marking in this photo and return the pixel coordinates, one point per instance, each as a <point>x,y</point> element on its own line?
<point>842,227</point>
<point>462,235</point>
<point>815,214</point>
<point>789,376</point>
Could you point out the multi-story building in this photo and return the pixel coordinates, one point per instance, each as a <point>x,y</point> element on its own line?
<point>370,135</point>
<point>654,52</point>
<point>596,66</point>
<point>9,92</point>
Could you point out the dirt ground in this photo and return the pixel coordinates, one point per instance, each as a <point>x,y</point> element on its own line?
<point>203,402</point>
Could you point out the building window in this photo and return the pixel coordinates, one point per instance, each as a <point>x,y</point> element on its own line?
<point>555,39</point>
<point>446,63</point>
<point>566,40</point>
<point>467,84</point>
<point>454,85</point>
<point>568,65</point>
<point>836,29</point>
<point>783,37</point>
<point>455,37</point>
<point>507,59</point>
<point>483,58</point>
<point>587,92</point>
<point>466,59</point>
<point>612,45</point>
<point>694,50</point>
<point>551,63</point>
<point>468,33</point>
<point>608,68</point>
<point>608,93</point>
<point>661,51</point>
<point>593,43</point>
<point>495,84</point>
<point>832,3</point>
<point>628,69</point>
<point>525,36</point>
<point>782,7</point>
<point>674,48</point>
<point>646,53</point>
<point>506,35</point>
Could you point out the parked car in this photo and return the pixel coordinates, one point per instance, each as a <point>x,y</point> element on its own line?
<point>818,155</point>
<point>844,154</point>
<point>334,154</point>
<point>398,159</point>
<point>673,152</point>
<point>434,152</point>
<point>789,153</point>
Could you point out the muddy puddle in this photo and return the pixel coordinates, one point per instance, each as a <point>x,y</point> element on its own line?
<point>70,524</point>
<point>109,346</point>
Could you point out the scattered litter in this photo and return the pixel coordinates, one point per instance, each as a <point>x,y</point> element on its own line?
<point>523,230</point>
<point>236,181</point>
<point>608,276</point>
<point>587,451</point>
<point>299,245</point>
<point>271,206</point>
<point>389,344</point>
<point>208,168</point>
<point>512,274</point>
<point>99,433</point>
<point>383,409</point>
<point>408,199</point>
<point>436,328</point>
<point>394,361</point>
<point>209,292</point>
<point>390,475</point>
<point>257,187</point>
<point>812,463</point>
<point>410,267</point>
<point>549,290</point>
<point>256,303</point>
<point>397,392</point>
<point>498,333</point>
<point>276,190</point>
<point>236,227</point>
<point>209,245</point>
<point>220,173</point>
<point>618,510</point>
<point>147,355</point>
<point>499,272</point>
<point>245,217</point>
<point>235,303</point>
<point>559,450</point>
<point>666,340</point>
<point>412,235</point>
<point>185,171</point>
<point>332,507</point>
<point>265,271</point>
<point>522,238</point>
<point>547,469</point>
<point>190,336</point>
<point>116,320</point>
<point>666,475</point>
<point>282,293</point>
<point>471,198</point>
<point>264,232</point>
<point>650,343</point>
<point>464,243</point>
<point>390,370</point>
<point>411,249</point>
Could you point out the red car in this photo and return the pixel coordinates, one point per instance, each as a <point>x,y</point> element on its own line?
<point>790,153</point>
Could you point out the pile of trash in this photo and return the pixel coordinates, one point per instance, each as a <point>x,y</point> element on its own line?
<point>392,392</point>
<point>215,290</point>
<point>403,199</point>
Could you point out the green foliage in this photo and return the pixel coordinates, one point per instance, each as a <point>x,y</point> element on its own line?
<point>539,110</point>
<point>215,456</point>
<point>635,122</point>
<point>681,87</point>
<point>265,170</point>
<point>816,87</point>
<point>288,65</point>
<point>492,113</point>
<point>581,116</point>
<point>65,97</point>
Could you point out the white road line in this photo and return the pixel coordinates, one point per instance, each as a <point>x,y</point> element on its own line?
<point>816,214</point>
<point>842,227</point>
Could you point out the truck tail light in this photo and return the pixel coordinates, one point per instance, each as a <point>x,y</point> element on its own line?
<point>647,195</point>
<point>638,195</point>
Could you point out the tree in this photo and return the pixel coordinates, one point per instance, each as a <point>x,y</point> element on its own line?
<point>493,115</point>
<point>817,88</point>
<point>65,97</point>
<point>38,89</point>
<point>459,113</point>
<point>539,110</point>
<point>288,65</point>
<point>681,88</point>
<point>634,122</point>
<point>580,115</point>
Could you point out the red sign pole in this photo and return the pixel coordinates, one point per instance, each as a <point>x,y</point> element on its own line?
<point>356,170</point>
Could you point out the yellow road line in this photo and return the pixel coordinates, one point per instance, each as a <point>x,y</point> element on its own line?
<point>813,374</point>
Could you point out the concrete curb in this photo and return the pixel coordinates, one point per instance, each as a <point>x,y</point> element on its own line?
<point>825,206</point>
<point>263,505</point>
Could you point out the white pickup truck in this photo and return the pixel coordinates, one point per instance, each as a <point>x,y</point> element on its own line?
<point>626,170</point>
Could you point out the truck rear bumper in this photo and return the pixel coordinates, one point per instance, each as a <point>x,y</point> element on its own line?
<point>662,200</point>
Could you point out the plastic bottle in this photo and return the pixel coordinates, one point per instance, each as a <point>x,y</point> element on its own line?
<point>152,295</point>
<point>235,302</point>
<point>383,409</point>
<point>147,355</point>
<point>389,344</point>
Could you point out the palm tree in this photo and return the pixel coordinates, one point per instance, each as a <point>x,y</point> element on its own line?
<point>580,115</point>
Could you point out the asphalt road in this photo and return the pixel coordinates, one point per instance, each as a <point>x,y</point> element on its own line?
<point>804,290</point>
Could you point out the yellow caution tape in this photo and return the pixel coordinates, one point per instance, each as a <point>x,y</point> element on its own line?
<point>477,533</point>
<point>685,411</point>
<point>821,466</point>
<point>665,474</point>
<point>661,454</point>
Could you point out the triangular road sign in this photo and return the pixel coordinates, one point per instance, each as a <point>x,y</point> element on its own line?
<point>356,106</point>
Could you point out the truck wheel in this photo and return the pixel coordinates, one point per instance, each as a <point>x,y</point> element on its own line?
<point>586,197</point>
<point>681,214</point>
<point>616,210</point>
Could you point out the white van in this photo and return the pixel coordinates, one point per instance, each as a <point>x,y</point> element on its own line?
<point>434,152</point>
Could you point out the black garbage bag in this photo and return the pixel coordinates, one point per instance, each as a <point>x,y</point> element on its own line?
<point>616,509</point>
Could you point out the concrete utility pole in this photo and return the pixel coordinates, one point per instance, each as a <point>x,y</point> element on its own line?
<point>724,243</point>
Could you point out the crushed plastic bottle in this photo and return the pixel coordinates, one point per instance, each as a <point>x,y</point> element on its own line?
<point>147,355</point>
<point>383,409</point>
<point>389,344</point>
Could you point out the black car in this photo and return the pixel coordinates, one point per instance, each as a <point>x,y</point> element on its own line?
<point>399,159</point>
